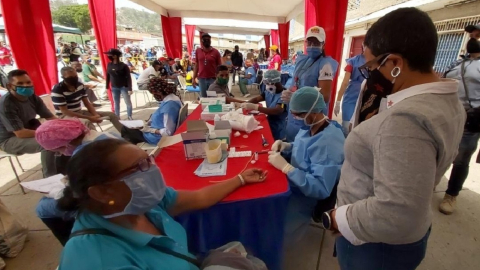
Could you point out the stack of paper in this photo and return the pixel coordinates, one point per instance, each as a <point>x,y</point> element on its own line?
<point>206,169</point>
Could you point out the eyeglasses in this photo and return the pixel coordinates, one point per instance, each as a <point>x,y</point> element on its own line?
<point>143,166</point>
<point>380,60</point>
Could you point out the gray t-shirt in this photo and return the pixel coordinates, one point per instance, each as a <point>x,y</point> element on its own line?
<point>220,89</point>
<point>16,115</point>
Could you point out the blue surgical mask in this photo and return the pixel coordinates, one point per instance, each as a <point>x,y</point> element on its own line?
<point>148,189</point>
<point>25,91</point>
<point>314,52</point>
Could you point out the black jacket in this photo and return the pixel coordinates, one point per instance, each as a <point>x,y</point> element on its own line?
<point>237,59</point>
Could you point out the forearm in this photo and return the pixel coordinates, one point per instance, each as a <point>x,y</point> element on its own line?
<point>69,113</point>
<point>25,133</point>
<point>342,91</point>
<point>315,185</point>
<point>93,78</point>
<point>211,195</point>
<point>271,111</point>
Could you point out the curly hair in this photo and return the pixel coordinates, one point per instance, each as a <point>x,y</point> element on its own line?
<point>161,88</point>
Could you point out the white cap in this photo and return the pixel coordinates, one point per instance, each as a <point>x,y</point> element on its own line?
<point>316,32</point>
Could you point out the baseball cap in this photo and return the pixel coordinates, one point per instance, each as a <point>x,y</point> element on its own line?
<point>113,51</point>
<point>471,28</point>
<point>316,32</point>
<point>161,59</point>
<point>206,35</point>
<point>274,47</point>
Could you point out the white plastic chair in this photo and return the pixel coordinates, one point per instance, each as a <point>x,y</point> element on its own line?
<point>137,91</point>
<point>183,85</point>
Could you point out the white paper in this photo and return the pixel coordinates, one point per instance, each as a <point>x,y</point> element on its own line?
<point>211,94</point>
<point>45,185</point>
<point>166,141</point>
<point>132,123</point>
<point>206,169</point>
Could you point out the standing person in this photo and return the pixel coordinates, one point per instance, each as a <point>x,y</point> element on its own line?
<point>261,55</point>
<point>394,160</point>
<point>227,61</point>
<point>276,60</point>
<point>275,110</point>
<point>237,62</point>
<point>207,59</point>
<point>467,73</point>
<point>314,70</point>
<point>250,55</point>
<point>350,90</point>
<point>75,52</point>
<point>5,55</point>
<point>18,111</point>
<point>118,74</point>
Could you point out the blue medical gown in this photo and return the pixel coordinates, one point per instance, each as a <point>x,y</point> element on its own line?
<point>290,69</point>
<point>165,117</point>
<point>276,122</point>
<point>307,71</point>
<point>317,161</point>
<point>353,89</point>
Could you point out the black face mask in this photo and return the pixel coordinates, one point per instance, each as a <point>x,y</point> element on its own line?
<point>206,43</point>
<point>71,80</point>
<point>378,84</point>
<point>473,46</point>
<point>79,70</point>
<point>110,58</point>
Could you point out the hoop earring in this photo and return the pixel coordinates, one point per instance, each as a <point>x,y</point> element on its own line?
<point>397,71</point>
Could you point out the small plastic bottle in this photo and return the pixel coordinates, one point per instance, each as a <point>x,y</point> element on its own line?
<point>216,118</point>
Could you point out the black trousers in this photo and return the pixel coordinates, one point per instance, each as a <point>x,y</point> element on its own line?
<point>132,135</point>
<point>60,228</point>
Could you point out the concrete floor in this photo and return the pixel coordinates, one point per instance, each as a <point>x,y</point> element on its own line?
<point>453,244</point>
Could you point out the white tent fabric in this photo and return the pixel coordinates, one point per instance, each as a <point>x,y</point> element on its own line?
<point>274,11</point>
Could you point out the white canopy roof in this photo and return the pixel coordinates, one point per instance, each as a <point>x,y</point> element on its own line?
<point>272,11</point>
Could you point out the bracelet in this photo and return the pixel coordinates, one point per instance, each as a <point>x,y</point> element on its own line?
<point>241,179</point>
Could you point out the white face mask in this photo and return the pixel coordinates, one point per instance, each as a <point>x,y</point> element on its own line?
<point>271,88</point>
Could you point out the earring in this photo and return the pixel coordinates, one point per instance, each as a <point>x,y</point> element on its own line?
<point>112,202</point>
<point>397,71</point>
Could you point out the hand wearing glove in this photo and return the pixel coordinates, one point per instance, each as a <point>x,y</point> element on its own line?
<point>279,146</point>
<point>236,105</point>
<point>280,163</point>
<point>286,96</point>
<point>250,106</point>
<point>338,105</point>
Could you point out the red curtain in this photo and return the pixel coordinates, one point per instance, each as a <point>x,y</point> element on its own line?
<point>28,24</point>
<point>190,33</point>
<point>274,34</point>
<point>330,15</point>
<point>104,22</point>
<point>172,36</point>
<point>283,31</point>
<point>267,42</point>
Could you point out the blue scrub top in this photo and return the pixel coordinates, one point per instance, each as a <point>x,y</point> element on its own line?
<point>276,122</point>
<point>252,79</point>
<point>170,108</point>
<point>130,249</point>
<point>307,71</point>
<point>353,89</point>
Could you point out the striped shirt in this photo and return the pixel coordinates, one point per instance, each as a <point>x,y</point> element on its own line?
<point>62,96</point>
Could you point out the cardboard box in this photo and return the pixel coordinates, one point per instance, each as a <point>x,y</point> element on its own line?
<point>209,116</point>
<point>195,139</point>
<point>211,101</point>
<point>223,131</point>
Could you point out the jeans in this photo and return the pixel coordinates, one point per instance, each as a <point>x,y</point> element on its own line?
<point>116,91</point>
<point>242,83</point>
<point>204,84</point>
<point>459,174</point>
<point>380,256</point>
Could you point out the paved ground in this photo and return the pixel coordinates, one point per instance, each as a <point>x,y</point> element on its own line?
<point>454,242</point>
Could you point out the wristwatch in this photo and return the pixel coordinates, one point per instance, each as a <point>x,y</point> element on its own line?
<point>327,220</point>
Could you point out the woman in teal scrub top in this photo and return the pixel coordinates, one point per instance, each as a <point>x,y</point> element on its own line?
<point>125,210</point>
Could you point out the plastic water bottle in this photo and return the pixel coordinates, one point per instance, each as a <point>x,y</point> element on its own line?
<point>216,118</point>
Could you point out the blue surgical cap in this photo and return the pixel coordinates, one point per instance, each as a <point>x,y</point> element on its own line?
<point>303,100</point>
<point>272,76</point>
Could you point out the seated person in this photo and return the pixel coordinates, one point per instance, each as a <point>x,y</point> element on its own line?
<point>189,80</point>
<point>220,86</point>
<point>131,66</point>
<point>275,110</point>
<point>91,75</point>
<point>18,111</point>
<point>166,65</point>
<point>164,120</point>
<point>66,137</point>
<point>88,86</point>
<point>67,98</point>
<point>248,79</point>
<point>316,157</point>
<point>177,67</point>
<point>117,188</point>
<point>148,73</point>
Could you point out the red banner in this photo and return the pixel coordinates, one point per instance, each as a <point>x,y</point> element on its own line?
<point>283,31</point>
<point>28,24</point>
<point>172,36</point>
<point>274,34</point>
<point>190,33</point>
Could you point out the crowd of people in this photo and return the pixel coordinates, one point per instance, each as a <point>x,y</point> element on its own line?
<point>402,128</point>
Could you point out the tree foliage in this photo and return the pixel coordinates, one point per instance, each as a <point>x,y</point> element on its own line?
<point>139,20</point>
<point>73,16</point>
